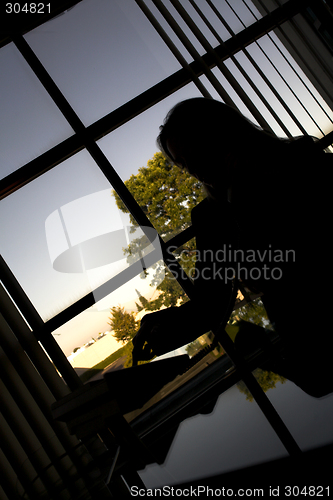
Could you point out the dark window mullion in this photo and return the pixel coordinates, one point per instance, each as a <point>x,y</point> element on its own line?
<point>221,66</point>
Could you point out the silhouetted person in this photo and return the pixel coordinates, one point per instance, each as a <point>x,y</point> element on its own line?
<point>266,218</point>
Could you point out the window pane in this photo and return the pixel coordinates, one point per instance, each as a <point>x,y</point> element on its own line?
<point>63,236</point>
<point>234,435</point>
<point>101,54</point>
<point>96,345</point>
<point>308,418</point>
<point>87,326</point>
<point>30,121</point>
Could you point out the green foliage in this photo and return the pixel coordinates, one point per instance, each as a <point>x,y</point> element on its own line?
<point>167,195</point>
<point>193,348</point>
<point>123,324</point>
<point>254,312</point>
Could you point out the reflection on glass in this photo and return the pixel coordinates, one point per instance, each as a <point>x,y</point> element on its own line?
<point>30,121</point>
<point>63,236</point>
<point>101,54</point>
<point>233,436</point>
<point>113,321</point>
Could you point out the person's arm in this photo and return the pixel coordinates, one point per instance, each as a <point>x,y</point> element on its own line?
<point>168,329</point>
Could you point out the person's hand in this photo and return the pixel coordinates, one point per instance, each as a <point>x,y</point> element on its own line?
<point>164,331</point>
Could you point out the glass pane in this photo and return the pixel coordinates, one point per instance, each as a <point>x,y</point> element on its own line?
<point>101,54</point>
<point>98,341</point>
<point>75,336</point>
<point>186,32</point>
<point>307,417</point>
<point>234,435</point>
<point>140,134</point>
<point>63,236</point>
<point>30,121</point>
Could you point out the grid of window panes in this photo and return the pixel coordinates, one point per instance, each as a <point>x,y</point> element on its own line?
<point>90,88</point>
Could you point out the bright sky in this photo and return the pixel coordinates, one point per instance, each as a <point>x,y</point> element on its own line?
<point>101,54</point>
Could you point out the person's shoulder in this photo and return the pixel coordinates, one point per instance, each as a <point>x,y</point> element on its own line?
<point>306,164</point>
<point>309,147</point>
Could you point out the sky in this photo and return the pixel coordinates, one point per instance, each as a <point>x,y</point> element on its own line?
<point>100,54</point>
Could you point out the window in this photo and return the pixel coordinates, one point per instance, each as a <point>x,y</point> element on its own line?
<point>84,93</point>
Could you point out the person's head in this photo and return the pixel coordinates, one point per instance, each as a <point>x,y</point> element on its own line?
<point>208,138</point>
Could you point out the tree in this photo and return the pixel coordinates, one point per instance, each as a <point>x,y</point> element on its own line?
<point>166,195</point>
<point>143,302</point>
<point>193,348</point>
<point>123,324</point>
